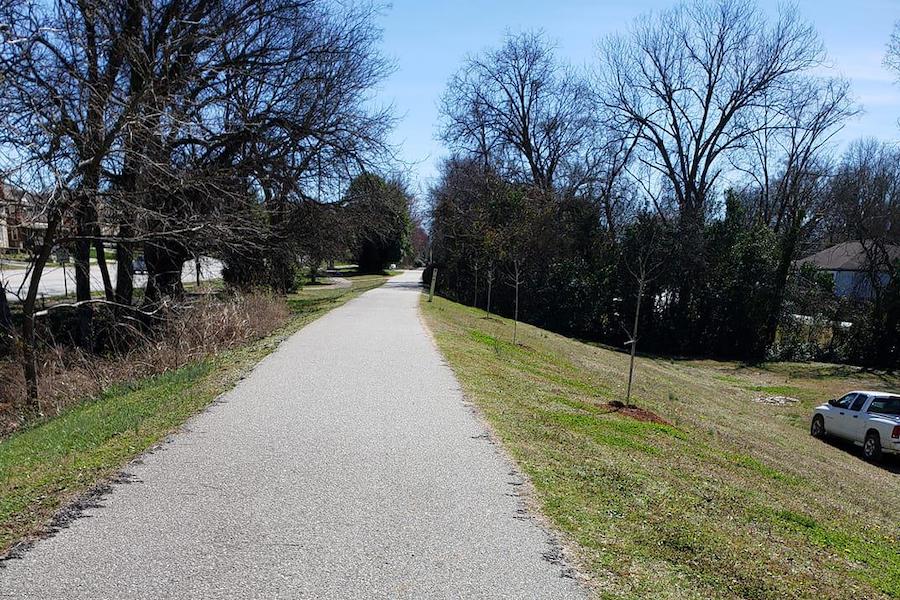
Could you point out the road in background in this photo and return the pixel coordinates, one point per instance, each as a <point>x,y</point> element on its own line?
<point>56,280</point>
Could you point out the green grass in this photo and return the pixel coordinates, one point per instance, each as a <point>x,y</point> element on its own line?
<point>734,499</point>
<point>16,255</point>
<point>46,465</point>
<point>768,390</point>
<point>109,255</point>
<point>304,278</point>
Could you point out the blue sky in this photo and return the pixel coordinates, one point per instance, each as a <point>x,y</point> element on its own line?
<point>428,41</point>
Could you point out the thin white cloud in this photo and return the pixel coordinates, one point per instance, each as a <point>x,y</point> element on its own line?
<point>880,99</point>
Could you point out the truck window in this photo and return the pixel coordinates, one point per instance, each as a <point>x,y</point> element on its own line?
<point>886,405</point>
<point>846,401</point>
<point>858,403</point>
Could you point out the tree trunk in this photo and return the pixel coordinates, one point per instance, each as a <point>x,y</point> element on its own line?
<point>490,282</point>
<point>6,324</point>
<point>691,265</point>
<point>83,292</point>
<point>84,229</point>
<point>475,300</point>
<point>29,353</point>
<point>634,332</point>
<point>124,268</point>
<point>787,248</point>
<point>108,290</point>
<point>516,310</point>
<point>164,263</point>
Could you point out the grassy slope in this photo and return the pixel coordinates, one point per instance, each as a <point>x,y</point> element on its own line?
<point>734,500</point>
<point>44,466</point>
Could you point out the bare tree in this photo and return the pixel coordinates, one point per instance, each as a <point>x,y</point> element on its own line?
<point>63,64</point>
<point>892,58</point>
<point>166,125</point>
<point>461,213</point>
<point>518,238</point>
<point>516,280</point>
<point>787,159</point>
<point>517,107</point>
<point>683,79</point>
<point>643,261</point>
<point>863,207</point>
<point>608,184</point>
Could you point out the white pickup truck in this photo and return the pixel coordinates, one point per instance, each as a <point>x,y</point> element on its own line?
<point>868,419</point>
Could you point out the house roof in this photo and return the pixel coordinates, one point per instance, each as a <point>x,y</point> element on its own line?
<point>10,195</point>
<point>849,256</point>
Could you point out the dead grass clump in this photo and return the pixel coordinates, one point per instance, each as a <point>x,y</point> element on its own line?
<point>185,333</point>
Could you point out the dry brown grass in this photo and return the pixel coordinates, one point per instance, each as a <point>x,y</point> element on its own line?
<point>185,333</point>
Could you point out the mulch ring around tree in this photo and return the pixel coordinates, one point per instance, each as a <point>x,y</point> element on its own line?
<point>639,414</point>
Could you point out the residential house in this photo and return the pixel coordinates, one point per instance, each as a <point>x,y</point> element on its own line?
<point>848,264</point>
<point>20,220</point>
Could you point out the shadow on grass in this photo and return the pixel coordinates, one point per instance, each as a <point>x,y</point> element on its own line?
<point>827,371</point>
<point>299,305</point>
<point>412,285</point>
<point>889,463</point>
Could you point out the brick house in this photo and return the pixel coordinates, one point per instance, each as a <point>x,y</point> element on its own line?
<point>20,223</point>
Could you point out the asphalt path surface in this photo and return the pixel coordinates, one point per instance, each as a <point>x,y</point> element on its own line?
<point>57,280</point>
<point>346,465</point>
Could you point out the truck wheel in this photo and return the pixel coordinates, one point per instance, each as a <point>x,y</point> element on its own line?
<point>872,447</point>
<point>817,428</point>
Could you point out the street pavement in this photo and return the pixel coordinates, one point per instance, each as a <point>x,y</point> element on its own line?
<point>346,465</point>
<point>57,280</point>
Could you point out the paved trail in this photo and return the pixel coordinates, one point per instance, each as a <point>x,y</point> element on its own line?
<point>345,466</point>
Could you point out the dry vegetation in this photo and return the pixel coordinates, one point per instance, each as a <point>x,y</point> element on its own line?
<point>733,498</point>
<point>185,333</point>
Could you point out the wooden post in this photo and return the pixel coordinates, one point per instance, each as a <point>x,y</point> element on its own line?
<point>433,280</point>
